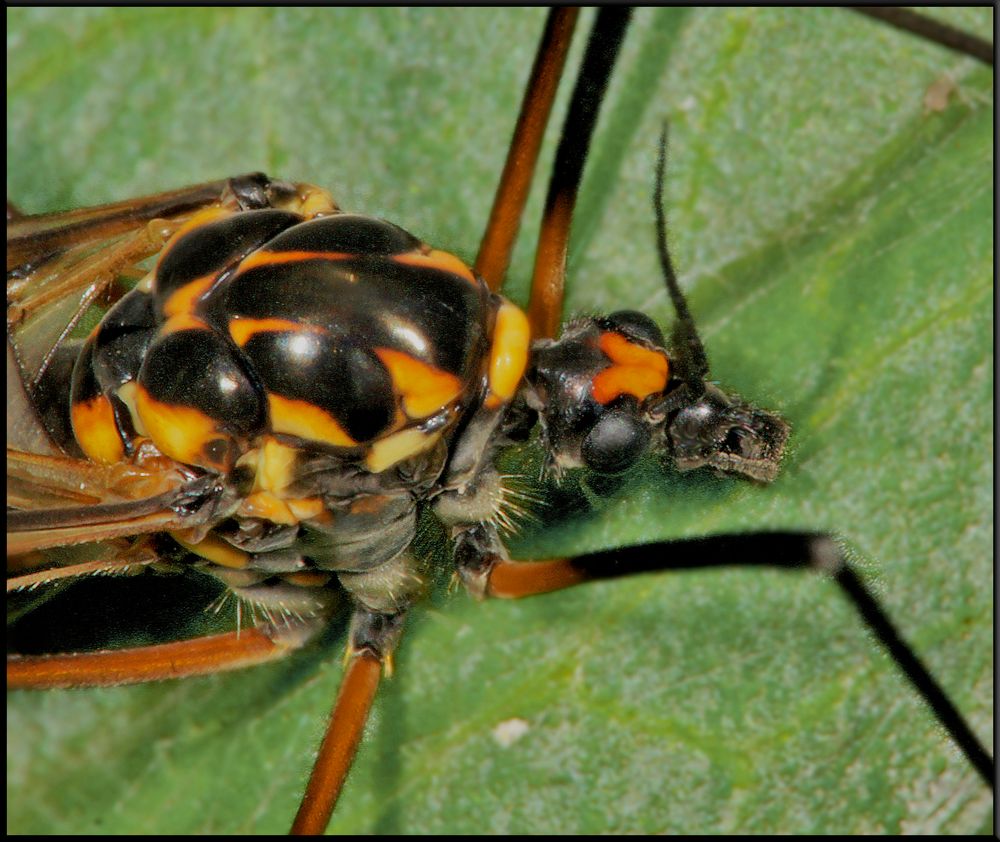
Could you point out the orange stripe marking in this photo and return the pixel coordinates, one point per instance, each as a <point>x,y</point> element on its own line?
<point>635,370</point>
<point>308,578</point>
<point>265,505</point>
<point>272,258</point>
<point>242,330</point>
<point>302,419</point>
<point>213,548</point>
<point>424,388</point>
<point>619,350</point>
<point>443,261</point>
<point>305,508</point>
<point>183,301</point>
<point>182,321</point>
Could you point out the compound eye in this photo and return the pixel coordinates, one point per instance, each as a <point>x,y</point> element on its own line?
<point>634,325</point>
<point>614,443</point>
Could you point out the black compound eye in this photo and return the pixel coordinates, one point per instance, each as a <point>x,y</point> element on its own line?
<point>634,325</point>
<point>615,442</point>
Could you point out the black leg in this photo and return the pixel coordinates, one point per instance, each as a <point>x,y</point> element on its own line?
<point>790,550</point>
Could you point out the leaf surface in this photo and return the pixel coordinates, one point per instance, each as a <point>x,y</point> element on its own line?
<point>836,239</point>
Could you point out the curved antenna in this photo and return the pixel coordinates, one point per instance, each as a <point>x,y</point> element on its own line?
<point>691,362</point>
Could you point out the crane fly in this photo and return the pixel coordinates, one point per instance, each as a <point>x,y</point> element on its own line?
<point>464,669</point>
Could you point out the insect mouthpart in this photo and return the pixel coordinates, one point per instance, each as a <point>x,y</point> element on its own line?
<point>720,431</point>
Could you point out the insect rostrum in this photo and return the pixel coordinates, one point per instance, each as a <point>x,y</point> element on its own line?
<point>829,262</point>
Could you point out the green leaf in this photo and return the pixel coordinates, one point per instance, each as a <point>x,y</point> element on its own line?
<point>836,238</point>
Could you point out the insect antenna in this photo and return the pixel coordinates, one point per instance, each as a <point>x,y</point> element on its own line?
<point>690,360</point>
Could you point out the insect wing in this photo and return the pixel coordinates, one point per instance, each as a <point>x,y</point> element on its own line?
<point>722,679</point>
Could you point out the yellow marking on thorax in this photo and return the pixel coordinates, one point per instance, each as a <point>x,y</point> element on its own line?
<point>275,258</point>
<point>386,452</point>
<point>127,394</point>
<point>214,549</point>
<point>509,354</point>
<point>96,430</point>
<point>275,466</point>
<point>308,578</point>
<point>303,419</point>
<point>424,388</point>
<point>265,505</point>
<point>635,370</point>
<point>181,432</point>
<point>181,321</point>
<point>286,511</point>
<point>183,301</point>
<point>311,201</point>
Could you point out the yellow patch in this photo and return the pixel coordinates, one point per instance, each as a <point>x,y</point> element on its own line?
<point>127,394</point>
<point>214,549</point>
<point>509,354</point>
<point>182,432</point>
<point>302,419</point>
<point>619,350</point>
<point>423,388</point>
<point>635,371</point>
<point>275,466</point>
<point>96,431</point>
<point>267,506</point>
<point>308,578</point>
<point>273,258</point>
<point>399,446</point>
<point>305,508</point>
<point>181,321</point>
<point>312,201</point>
<point>183,301</point>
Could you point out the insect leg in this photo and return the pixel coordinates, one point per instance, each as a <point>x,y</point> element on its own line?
<point>181,659</point>
<point>932,30</point>
<point>515,181</point>
<point>59,501</point>
<point>545,306</point>
<point>788,550</point>
<point>373,638</point>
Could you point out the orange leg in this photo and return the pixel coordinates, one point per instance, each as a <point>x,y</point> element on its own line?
<point>373,639</point>
<point>182,659</point>
<point>545,307</point>
<point>515,181</point>
<point>789,550</point>
<point>340,743</point>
